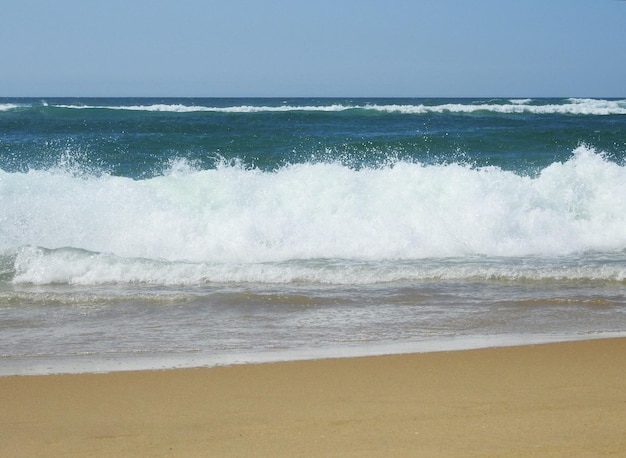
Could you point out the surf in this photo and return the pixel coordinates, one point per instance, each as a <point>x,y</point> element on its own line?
<point>571,106</point>
<point>237,215</point>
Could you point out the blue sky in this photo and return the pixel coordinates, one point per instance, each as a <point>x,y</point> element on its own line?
<point>429,48</point>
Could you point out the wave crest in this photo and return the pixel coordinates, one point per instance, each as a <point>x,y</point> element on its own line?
<point>322,210</point>
<point>79,267</point>
<point>572,106</point>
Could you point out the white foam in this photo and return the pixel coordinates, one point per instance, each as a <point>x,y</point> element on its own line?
<point>179,108</point>
<point>192,223</point>
<point>520,101</point>
<point>8,106</point>
<point>40,266</point>
<point>572,106</point>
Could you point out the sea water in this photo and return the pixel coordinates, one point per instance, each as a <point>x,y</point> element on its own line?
<point>145,233</point>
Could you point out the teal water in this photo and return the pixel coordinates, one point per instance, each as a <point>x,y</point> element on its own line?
<point>173,232</point>
<point>137,137</point>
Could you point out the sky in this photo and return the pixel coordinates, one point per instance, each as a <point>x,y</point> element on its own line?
<point>333,48</point>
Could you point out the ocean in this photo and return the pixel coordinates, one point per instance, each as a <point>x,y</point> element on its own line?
<point>161,233</point>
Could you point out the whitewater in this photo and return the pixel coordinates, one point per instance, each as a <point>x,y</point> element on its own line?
<point>66,227</point>
<point>574,106</point>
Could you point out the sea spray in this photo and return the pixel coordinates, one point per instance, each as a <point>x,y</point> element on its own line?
<point>188,221</point>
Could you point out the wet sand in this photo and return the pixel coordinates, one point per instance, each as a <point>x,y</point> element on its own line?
<point>565,399</point>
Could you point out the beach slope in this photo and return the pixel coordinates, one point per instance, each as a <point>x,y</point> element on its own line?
<point>565,399</point>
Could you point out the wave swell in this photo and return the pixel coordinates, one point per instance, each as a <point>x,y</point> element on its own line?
<point>573,106</point>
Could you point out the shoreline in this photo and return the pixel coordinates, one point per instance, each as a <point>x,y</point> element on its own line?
<point>554,399</point>
<point>35,366</point>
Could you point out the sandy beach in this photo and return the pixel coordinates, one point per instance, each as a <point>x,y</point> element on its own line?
<point>565,399</point>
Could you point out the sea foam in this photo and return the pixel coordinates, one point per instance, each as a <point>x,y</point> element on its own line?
<point>8,106</point>
<point>207,224</point>
<point>574,106</point>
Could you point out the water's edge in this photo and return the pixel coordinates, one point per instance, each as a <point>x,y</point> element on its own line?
<point>87,365</point>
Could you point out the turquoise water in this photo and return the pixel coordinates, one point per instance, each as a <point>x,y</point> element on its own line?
<point>173,232</point>
<point>137,138</point>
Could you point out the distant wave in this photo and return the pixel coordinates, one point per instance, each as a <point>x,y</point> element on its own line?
<point>572,106</point>
<point>179,108</point>
<point>8,106</point>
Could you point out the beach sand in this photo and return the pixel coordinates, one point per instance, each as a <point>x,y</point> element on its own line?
<point>565,399</point>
